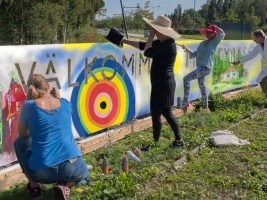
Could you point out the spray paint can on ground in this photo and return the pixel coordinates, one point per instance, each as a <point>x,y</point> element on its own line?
<point>133,156</point>
<point>89,167</point>
<point>137,152</point>
<point>125,165</point>
<point>105,166</point>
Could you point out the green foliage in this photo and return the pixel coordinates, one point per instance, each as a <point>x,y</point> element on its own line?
<point>237,81</point>
<point>219,68</point>
<point>231,16</point>
<point>212,172</point>
<point>231,116</point>
<point>48,21</point>
<point>133,18</point>
<point>217,102</point>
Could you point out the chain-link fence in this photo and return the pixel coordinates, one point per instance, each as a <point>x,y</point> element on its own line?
<point>236,31</point>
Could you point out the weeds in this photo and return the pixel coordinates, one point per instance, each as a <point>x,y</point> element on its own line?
<point>230,173</point>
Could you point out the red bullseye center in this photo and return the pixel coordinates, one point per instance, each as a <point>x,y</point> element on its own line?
<point>92,98</point>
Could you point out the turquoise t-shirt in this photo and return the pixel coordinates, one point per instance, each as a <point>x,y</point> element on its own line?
<point>52,139</point>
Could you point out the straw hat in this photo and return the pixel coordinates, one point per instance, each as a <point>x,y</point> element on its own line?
<point>210,28</point>
<point>163,25</point>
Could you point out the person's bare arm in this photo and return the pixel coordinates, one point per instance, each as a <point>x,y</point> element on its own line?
<point>219,30</point>
<point>185,47</point>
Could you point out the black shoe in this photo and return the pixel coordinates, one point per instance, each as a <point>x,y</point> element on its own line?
<point>36,193</point>
<point>146,148</point>
<point>177,144</point>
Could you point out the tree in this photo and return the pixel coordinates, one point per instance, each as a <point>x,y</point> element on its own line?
<point>212,12</point>
<point>176,16</point>
<point>252,18</point>
<point>231,16</point>
<point>43,23</point>
<point>203,11</point>
<point>188,22</point>
<point>219,9</point>
<point>138,22</point>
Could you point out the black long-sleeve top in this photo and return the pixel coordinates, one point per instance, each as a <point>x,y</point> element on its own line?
<point>163,54</point>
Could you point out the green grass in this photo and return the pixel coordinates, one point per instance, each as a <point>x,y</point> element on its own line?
<point>220,173</point>
<point>214,173</point>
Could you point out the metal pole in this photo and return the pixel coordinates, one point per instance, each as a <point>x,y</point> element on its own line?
<point>154,10</point>
<point>243,35</point>
<point>124,21</point>
<point>194,17</point>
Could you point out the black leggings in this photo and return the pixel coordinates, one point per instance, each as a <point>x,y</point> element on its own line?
<point>157,124</point>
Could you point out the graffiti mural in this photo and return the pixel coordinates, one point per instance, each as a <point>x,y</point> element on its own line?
<point>106,85</point>
<point>104,98</point>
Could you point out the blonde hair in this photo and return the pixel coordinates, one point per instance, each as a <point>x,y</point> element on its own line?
<point>37,86</point>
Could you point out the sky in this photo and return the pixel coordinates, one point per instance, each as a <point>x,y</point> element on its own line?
<point>161,7</point>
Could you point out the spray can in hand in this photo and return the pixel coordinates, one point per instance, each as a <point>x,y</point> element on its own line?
<point>125,166</point>
<point>105,166</point>
<point>53,91</point>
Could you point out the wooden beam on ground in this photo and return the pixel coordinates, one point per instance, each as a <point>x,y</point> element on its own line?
<point>12,175</point>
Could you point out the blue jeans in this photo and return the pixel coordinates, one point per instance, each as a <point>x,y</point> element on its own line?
<point>73,170</point>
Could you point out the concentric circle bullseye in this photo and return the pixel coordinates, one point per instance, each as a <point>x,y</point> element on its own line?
<point>105,87</point>
<point>102,102</point>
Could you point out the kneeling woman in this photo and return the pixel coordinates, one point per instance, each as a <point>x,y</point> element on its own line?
<point>45,147</point>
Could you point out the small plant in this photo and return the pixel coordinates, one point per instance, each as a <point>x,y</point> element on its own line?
<point>207,175</point>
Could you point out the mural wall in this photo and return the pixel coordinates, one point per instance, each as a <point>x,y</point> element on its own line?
<point>106,85</point>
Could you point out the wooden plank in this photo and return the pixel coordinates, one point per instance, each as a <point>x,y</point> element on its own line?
<point>178,112</point>
<point>104,137</point>
<point>122,133</point>
<point>180,162</point>
<point>9,171</point>
<point>11,180</point>
<point>232,94</point>
<point>93,147</point>
<point>142,124</point>
<point>13,174</point>
<point>102,143</point>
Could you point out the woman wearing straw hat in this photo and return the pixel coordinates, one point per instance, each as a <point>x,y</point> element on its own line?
<point>204,60</point>
<point>163,54</point>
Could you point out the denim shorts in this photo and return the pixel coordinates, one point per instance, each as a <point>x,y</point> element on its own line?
<point>72,170</point>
